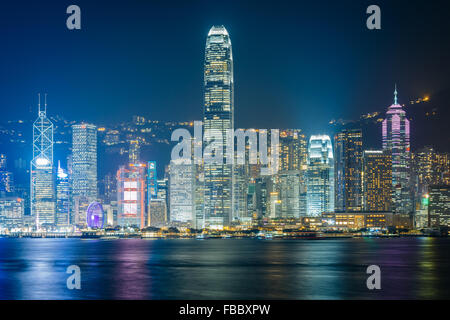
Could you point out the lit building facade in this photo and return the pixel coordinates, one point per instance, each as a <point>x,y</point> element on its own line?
<point>11,212</point>
<point>157,213</point>
<point>396,139</point>
<point>84,169</point>
<point>6,177</point>
<point>429,168</point>
<point>377,180</point>
<point>320,176</point>
<point>218,117</point>
<point>42,188</point>
<point>131,190</point>
<point>439,206</point>
<point>181,191</point>
<point>348,167</point>
<point>289,191</point>
<point>62,198</point>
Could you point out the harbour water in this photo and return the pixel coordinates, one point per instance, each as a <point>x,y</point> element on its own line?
<point>411,268</point>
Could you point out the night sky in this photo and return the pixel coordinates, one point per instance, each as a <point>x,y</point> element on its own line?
<point>297,64</point>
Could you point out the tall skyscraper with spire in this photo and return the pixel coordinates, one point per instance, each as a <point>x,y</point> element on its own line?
<point>396,140</point>
<point>218,117</point>
<point>42,187</point>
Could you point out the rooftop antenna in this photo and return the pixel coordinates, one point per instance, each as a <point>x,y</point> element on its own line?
<point>395,95</point>
<point>45,103</point>
<point>39,102</point>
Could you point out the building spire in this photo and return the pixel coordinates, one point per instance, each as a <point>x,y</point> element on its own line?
<point>39,101</point>
<point>395,95</point>
<point>45,103</point>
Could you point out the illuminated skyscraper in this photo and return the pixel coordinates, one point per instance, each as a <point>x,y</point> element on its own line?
<point>84,169</point>
<point>377,180</point>
<point>157,213</point>
<point>218,117</point>
<point>289,191</point>
<point>294,156</point>
<point>181,191</point>
<point>320,176</point>
<point>11,212</point>
<point>131,189</point>
<point>42,171</point>
<point>62,198</point>
<point>6,177</point>
<point>396,139</point>
<point>152,181</point>
<point>439,206</point>
<point>348,166</point>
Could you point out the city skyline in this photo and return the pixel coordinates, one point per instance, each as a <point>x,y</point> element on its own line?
<point>313,179</point>
<point>286,199</point>
<point>199,150</point>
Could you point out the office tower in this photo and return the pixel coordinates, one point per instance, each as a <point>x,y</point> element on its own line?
<point>152,181</point>
<point>428,168</point>
<point>199,197</point>
<point>11,212</point>
<point>439,206</point>
<point>181,191</point>
<point>377,180</point>
<point>396,131</point>
<point>262,196</point>
<point>320,176</point>
<point>289,191</point>
<point>158,213</point>
<point>62,198</point>
<point>218,117</point>
<point>294,156</point>
<point>293,150</point>
<point>152,189</point>
<point>442,168</point>
<point>251,204</point>
<point>274,205</point>
<point>131,190</point>
<point>84,169</point>
<point>239,207</point>
<point>6,177</point>
<point>163,191</point>
<point>42,171</point>
<point>348,166</point>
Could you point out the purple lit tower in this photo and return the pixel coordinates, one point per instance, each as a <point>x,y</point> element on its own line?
<point>396,139</point>
<point>95,215</point>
